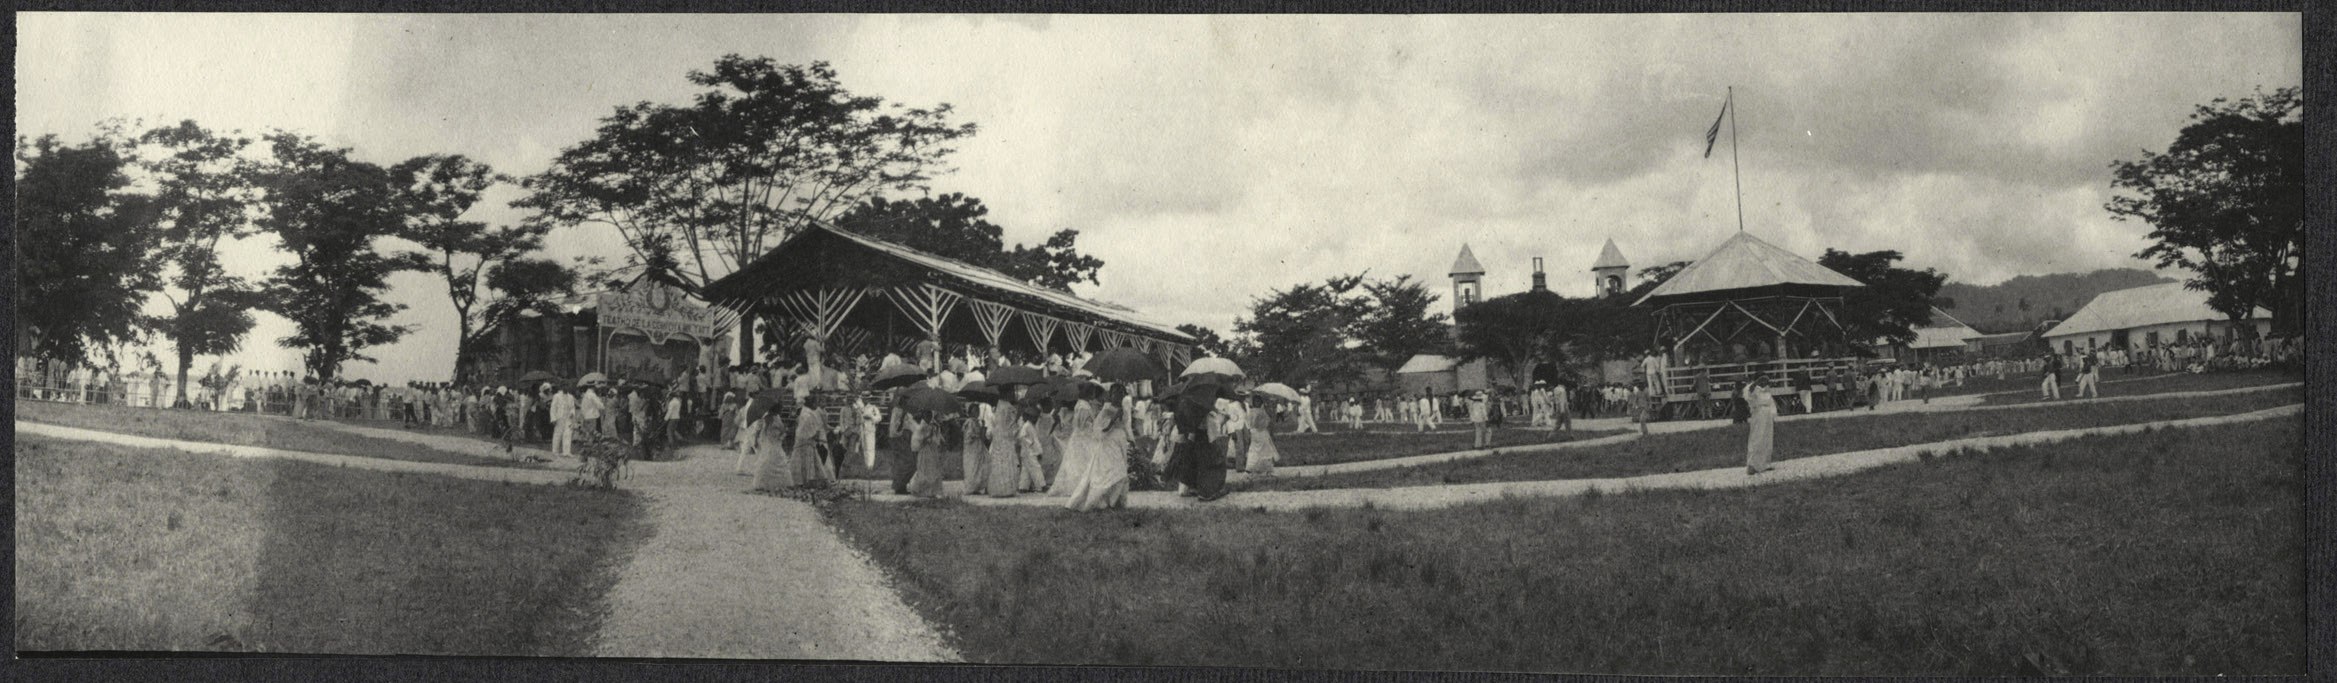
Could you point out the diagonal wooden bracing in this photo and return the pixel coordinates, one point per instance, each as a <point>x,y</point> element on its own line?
<point>926,306</point>
<point>991,317</point>
<point>1077,333</point>
<point>821,311</point>
<point>1042,329</point>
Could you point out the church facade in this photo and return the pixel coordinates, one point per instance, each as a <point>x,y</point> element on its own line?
<point>1433,373</point>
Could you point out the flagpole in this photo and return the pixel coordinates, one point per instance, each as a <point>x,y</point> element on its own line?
<point>1734,168</point>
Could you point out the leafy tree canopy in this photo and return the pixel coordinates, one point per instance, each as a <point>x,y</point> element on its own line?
<point>1894,301</point>
<point>329,211</point>
<point>956,226</point>
<point>2226,201</point>
<point>86,247</point>
<point>764,149</point>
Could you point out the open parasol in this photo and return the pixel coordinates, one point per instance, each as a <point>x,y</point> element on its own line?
<point>1123,364</point>
<point>592,378</point>
<point>978,390</point>
<point>1015,374</point>
<point>897,375</point>
<point>929,401</point>
<point>1277,390</point>
<point>1216,369</point>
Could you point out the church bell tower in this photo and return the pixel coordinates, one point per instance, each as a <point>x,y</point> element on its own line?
<point>1468,280</point>
<point>1611,272</point>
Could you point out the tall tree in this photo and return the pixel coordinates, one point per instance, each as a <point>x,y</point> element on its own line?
<point>86,247</point>
<point>1894,301</point>
<point>1303,334</point>
<point>438,190</point>
<point>207,194</point>
<point>1400,322</point>
<point>1209,340</point>
<point>758,155</point>
<point>1519,331</point>
<point>330,212</point>
<point>2226,201</point>
<point>1652,278</point>
<point>956,226</point>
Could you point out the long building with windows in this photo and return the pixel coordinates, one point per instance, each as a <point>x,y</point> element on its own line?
<point>2146,316</point>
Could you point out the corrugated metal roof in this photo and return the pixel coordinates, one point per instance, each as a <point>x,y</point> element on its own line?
<point>2141,307</point>
<point>979,276</point>
<point>1945,331</point>
<point>1610,257</point>
<point>1427,362</point>
<point>1467,263</point>
<point>1745,262</point>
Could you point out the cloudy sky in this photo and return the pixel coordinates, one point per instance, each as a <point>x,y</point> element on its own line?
<point>1210,159</point>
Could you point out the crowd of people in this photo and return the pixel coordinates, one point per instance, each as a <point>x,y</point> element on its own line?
<point>1024,427</point>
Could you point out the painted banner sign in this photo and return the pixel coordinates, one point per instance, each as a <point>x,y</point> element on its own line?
<point>658,310</point>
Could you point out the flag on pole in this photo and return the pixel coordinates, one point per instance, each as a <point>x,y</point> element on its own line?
<point>1712,135</point>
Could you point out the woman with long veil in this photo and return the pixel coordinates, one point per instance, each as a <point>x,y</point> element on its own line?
<point>1102,437</point>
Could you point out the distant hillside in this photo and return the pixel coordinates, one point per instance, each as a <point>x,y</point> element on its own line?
<point>2018,304</point>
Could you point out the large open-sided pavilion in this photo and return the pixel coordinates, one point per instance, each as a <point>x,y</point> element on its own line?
<point>1747,307</point>
<point>862,296</point>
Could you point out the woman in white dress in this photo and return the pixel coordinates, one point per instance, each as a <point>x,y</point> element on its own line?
<point>1262,453</point>
<point>1004,429</point>
<point>1103,435</point>
<point>1066,433</point>
<point>1760,440</point>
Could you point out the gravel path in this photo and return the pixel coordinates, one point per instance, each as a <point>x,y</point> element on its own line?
<point>510,474</point>
<point>725,574</point>
<point>1427,497</point>
<point>1962,403</point>
<point>736,575</point>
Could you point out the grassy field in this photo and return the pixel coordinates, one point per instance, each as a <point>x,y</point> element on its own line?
<point>123,549</point>
<point>1350,446</point>
<point>2155,384</point>
<point>241,429</point>
<point>2176,552</point>
<point>1724,446</point>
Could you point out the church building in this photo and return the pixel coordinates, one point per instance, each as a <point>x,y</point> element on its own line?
<point>1436,373</point>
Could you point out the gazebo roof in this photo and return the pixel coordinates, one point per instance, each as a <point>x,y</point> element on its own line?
<point>825,255</point>
<point>1745,263</point>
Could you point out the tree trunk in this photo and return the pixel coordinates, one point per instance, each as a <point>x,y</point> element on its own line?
<point>186,358</point>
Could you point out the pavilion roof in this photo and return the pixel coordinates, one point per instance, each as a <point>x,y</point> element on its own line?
<point>825,255</point>
<point>1745,262</point>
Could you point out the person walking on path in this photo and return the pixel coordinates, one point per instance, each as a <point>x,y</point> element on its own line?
<point>925,446</point>
<point>2089,377</point>
<point>1639,406</point>
<point>1306,413</point>
<point>1004,471</point>
<point>1480,434</point>
<point>1423,412</point>
<point>728,412</point>
<point>1262,452</point>
<point>1106,483</point>
<point>673,415</point>
<point>2051,389</point>
<point>974,448</point>
<point>1760,437</point>
<point>564,423</point>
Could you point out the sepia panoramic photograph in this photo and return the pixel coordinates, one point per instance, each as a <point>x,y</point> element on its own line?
<point>1891,344</point>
